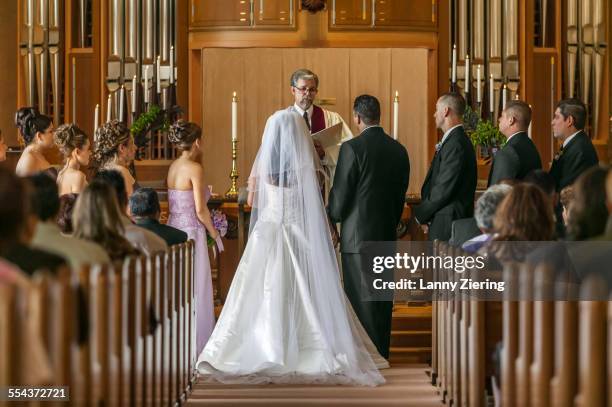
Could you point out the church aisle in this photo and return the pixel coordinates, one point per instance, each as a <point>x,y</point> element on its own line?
<point>407,385</point>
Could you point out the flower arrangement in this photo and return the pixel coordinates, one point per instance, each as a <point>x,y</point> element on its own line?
<point>485,136</point>
<point>155,119</point>
<point>220,223</point>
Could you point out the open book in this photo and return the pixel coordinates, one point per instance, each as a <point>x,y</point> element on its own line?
<point>331,136</point>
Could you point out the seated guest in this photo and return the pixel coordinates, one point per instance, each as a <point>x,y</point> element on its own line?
<point>64,216</point>
<point>18,226</point>
<point>589,209</point>
<point>97,219</point>
<point>145,240</point>
<point>484,213</point>
<point>48,236</point>
<point>546,183</point>
<point>144,207</point>
<point>37,133</point>
<point>74,145</point>
<point>115,150</point>
<point>463,230</point>
<point>3,148</point>
<point>566,197</point>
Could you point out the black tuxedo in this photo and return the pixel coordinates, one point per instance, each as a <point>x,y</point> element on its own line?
<point>367,198</point>
<point>575,158</point>
<point>463,230</point>
<point>515,160</point>
<point>448,191</point>
<point>171,235</point>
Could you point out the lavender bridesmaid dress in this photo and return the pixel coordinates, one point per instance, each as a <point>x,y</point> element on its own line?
<point>182,215</point>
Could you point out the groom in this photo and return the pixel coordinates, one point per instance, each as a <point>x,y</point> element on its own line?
<point>367,199</point>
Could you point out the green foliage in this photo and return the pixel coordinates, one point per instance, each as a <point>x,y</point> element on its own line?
<point>487,135</point>
<point>150,121</point>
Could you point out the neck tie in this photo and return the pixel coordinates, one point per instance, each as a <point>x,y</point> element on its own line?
<point>307,121</point>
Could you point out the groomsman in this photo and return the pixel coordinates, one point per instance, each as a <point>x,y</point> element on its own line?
<point>448,191</point>
<point>367,199</point>
<point>577,153</point>
<point>519,156</point>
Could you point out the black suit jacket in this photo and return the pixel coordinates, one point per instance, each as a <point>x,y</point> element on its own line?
<point>463,230</point>
<point>449,187</point>
<point>578,156</point>
<point>369,190</point>
<point>515,160</point>
<point>171,235</point>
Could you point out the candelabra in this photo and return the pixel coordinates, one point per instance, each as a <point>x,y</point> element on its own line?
<point>232,193</point>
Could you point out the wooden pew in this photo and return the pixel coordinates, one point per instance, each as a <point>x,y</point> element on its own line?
<point>510,336</point>
<point>434,323</point>
<point>525,338</point>
<point>9,335</point>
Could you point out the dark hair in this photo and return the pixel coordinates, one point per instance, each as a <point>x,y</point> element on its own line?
<point>542,180</point>
<point>64,216</point>
<point>184,134</point>
<point>144,203</point>
<point>44,197</point>
<point>108,138</point>
<point>455,102</point>
<point>589,212</point>
<point>68,137</point>
<point>574,108</point>
<point>368,108</point>
<point>304,74</point>
<point>29,121</point>
<point>13,207</point>
<point>520,111</point>
<point>116,181</point>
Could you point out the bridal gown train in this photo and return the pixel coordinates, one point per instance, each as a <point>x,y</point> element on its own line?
<point>286,318</point>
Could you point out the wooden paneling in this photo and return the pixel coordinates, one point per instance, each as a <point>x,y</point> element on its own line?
<point>413,14</point>
<point>219,13</point>
<point>274,12</point>
<point>351,13</point>
<point>542,102</point>
<point>8,65</point>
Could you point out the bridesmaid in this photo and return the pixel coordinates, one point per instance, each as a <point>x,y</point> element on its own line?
<point>187,198</point>
<point>115,150</point>
<point>75,146</point>
<point>37,132</point>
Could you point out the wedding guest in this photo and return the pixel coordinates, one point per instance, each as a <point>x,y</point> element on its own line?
<point>48,235</point>
<point>64,216</point>
<point>145,210</point>
<point>567,198</point>
<point>115,150</point>
<point>37,133</point>
<point>97,219</point>
<point>187,199</point>
<point>3,148</point>
<point>74,144</point>
<point>143,239</point>
<point>589,213</point>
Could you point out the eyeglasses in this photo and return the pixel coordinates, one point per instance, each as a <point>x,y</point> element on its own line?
<point>304,90</point>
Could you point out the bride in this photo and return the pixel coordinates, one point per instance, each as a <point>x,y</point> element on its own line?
<point>286,318</point>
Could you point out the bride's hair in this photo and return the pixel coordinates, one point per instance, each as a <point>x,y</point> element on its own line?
<point>69,137</point>
<point>108,138</point>
<point>29,121</point>
<point>183,134</point>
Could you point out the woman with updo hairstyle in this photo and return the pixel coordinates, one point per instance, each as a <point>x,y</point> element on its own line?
<point>37,133</point>
<point>115,150</point>
<point>74,144</point>
<point>188,211</point>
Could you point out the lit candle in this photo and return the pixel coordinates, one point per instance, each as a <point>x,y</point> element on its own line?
<point>158,74</point>
<point>134,85</point>
<point>396,115</point>
<point>121,97</point>
<point>96,119</point>
<point>478,85</point>
<point>109,108</point>
<point>172,64</point>
<point>234,117</point>
<point>468,82</point>
<point>454,67</point>
<point>504,96</point>
<point>491,94</point>
<point>146,84</point>
<point>529,128</point>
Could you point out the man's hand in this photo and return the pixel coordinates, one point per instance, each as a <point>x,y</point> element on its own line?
<point>319,148</point>
<point>425,229</point>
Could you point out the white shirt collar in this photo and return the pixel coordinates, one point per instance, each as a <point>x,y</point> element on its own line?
<point>301,112</point>
<point>514,134</point>
<point>369,127</point>
<point>448,132</point>
<point>567,140</point>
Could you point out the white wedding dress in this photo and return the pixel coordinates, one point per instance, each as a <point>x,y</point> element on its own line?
<point>286,318</point>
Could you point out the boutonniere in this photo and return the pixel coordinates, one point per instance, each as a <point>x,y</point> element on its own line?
<point>438,146</point>
<point>558,155</point>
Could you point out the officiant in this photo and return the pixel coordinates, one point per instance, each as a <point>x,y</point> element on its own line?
<point>304,88</point>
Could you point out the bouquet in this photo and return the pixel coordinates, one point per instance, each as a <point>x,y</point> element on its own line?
<point>220,223</point>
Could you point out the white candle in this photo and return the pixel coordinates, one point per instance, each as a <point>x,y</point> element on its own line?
<point>468,82</point>
<point>529,128</point>
<point>454,67</point>
<point>109,108</point>
<point>491,95</point>
<point>478,85</point>
<point>96,119</point>
<point>504,96</point>
<point>158,74</point>
<point>146,84</point>
<point>234,117</point>
<point>172,64</point>
<point>134,86</point>
<point>121,97</point>
<point>396,115</point>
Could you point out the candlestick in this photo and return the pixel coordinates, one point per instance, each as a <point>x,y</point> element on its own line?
<point>478,85</point>
<point>233,191</point>
<point>504,96</point>
<point>96,119</point>
<point>529,128</point>
<point>172,64</point>
<point>146,84</point>
<point>234,117</point>
<point>454,66</point>
<point>121,97</point>
<point>491,95</point>
<point>109,108</point>
<point>396,115</point>
<point>134,85</point>
<point>468,82</point>
<point>158,74</point>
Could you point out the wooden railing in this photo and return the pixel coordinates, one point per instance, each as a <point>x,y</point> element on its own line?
<point>139,347</point>
<point>554,353</point>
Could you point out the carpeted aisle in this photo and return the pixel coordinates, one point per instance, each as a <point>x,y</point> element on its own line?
<point>406,386</point>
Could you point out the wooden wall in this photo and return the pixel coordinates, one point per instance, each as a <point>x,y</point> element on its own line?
<point>8,63</point>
